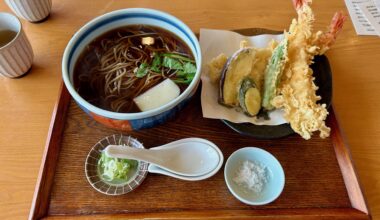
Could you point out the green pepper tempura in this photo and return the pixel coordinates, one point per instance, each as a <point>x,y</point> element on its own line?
<point>115,168</point>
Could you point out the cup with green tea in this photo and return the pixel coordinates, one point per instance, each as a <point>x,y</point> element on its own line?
<point>16,54</point>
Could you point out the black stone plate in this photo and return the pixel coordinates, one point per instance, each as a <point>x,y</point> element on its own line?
<point>323,79</point>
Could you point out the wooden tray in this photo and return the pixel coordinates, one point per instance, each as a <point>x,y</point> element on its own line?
<point>320,177</point>
<point>321,182</point>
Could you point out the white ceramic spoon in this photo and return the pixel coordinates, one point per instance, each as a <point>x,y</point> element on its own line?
<point>190,157</point>
<point>155,169</point>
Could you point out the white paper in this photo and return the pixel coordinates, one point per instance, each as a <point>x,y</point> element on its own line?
<point>213,43</point>
<point>372,14</point>
<point>361,24</point>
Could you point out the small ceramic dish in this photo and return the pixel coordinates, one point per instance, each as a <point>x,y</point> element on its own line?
<point>136,176</point>
<point>273,171</point>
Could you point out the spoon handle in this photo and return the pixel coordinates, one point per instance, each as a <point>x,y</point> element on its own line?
<point>124,152</point>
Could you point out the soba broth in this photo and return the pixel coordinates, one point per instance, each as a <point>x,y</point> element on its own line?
<point>106,71</point>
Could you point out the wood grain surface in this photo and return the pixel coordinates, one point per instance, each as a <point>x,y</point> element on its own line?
<point>313,177</point>
<point>26,104</point>
<point>354,208</point>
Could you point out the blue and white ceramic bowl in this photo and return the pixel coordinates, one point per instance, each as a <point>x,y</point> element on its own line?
<point>113,20</point>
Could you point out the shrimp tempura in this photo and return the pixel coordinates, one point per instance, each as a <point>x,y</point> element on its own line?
<point>297,91</point>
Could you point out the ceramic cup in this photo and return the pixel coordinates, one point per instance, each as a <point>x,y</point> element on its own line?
<point>30,10</point>
<point>16,54</point>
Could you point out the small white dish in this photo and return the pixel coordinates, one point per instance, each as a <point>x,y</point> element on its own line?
<point>274,173</point>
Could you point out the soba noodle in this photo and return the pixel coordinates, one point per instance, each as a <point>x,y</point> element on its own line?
<point>109,66</point>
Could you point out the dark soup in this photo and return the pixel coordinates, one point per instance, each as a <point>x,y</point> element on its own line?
<point>126,62</point>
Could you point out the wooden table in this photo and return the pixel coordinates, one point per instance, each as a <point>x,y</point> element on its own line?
<point>26,103</point>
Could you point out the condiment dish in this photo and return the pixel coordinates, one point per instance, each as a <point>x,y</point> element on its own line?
<point>135,177</point>
<point>274,175</point>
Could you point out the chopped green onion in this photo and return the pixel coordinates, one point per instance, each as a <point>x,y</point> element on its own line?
<point>115,168</point>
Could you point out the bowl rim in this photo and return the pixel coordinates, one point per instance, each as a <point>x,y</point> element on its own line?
<point>19,28</point>
<point>139,115</point>
<point>236,195</point>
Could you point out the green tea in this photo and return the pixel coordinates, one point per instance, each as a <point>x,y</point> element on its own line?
<point>6,36</point>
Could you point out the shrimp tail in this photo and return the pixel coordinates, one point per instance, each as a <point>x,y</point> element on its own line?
<point>328,38</point>
<point>336,26</point>
<point>298,4</point>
